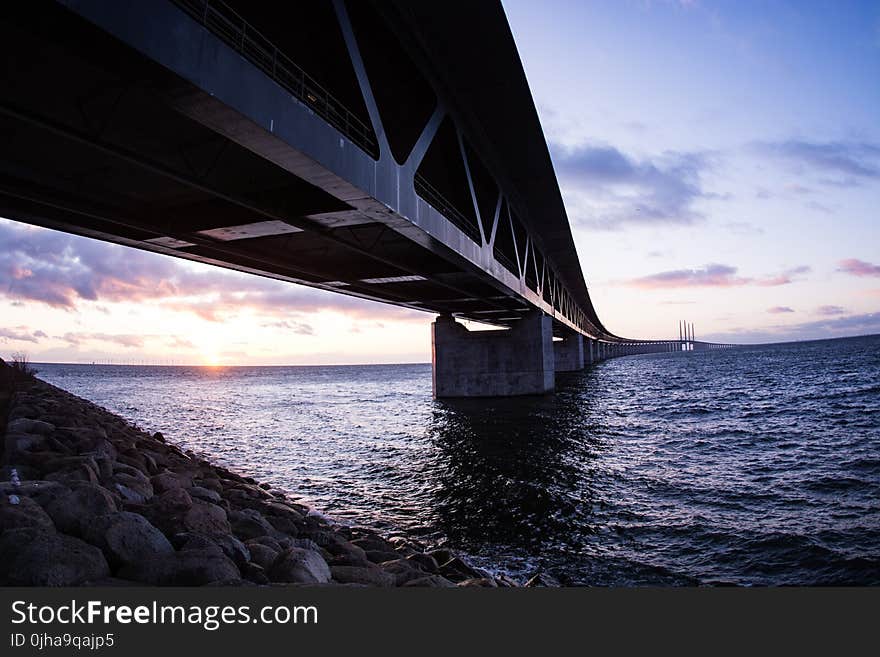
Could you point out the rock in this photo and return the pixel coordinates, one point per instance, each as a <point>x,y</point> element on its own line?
<point>254,573</point>
<point>372,544</point>
<point>482,582</point>
<point>125,537</point>
<point>133,487</point>
<point>249,523</point>
<point>24,425</point>
<point>431,580</point>
<point>206,518</point>
<point>370,575</point>
<point>297,565</point>
<point>379,556</point>
<point>403,571</point>
<point>171,502</point>
<point>541,579</point>
<point>269,542</point>
<point>205,494</point>
<point>262,555</point>
<point>158,436</point>
<point>35,557</point>
<point>426,561</point>
<point>185,568</point>
<point>42,492</point>
<point>27,513</point>
<point>165,481</point>
<point>84,502</point>
<point>25,473</point>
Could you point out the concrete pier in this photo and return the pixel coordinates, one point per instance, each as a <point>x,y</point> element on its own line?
<point>516,361</point>
<point>569,353</point>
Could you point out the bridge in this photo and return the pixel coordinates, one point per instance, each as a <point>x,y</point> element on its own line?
<point>388,150</point>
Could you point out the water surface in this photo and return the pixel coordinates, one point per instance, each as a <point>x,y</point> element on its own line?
<point>756,466</point>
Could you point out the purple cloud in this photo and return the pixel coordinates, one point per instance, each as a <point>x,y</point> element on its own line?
<point>852,159</point>
<point>858,267</point>
<point>829,311</point>
<point>62,270</point>
<point>775,310</point>
<point>658,191</point>
<point>18,334</point>
<point>713,275</point>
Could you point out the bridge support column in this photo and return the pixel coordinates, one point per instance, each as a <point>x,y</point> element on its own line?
<point>568,354</point>
<point>517,361</point>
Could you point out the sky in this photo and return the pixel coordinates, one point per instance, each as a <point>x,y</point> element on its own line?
<point>719,161</point>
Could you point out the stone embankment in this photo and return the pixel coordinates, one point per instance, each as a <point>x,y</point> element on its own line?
<point>89,499</point>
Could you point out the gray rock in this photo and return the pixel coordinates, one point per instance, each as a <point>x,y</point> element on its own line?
<point>83,502</point>
<point>134,487</point>
<point>206,518</point>
<point>541,579</point>
<point>481,582</point>
<point>27,513</point>
<point>437,581</point>
<point>297,565</point>
<point>41,491</point>
<point>403,571</point>
<point>35,557</point>
<point>262,555</point>
<point>168,481</point>
<point>248,523</point>
<point>185,568</point>
<point>24,425</point>
<point>125,537</point>
<point>205,494</point>
<point>370,575</point>
<point>380,556</point>
<point>426,561</point>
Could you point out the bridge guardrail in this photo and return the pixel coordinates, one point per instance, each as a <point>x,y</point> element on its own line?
<point>222,21</point>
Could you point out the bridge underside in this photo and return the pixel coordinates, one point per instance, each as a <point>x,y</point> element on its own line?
<point>100,141</point>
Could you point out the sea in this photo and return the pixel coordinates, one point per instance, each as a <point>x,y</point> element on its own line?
<point>754,466</point>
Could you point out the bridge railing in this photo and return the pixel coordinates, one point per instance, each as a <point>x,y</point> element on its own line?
<point>222,21</point>
<point>430,194</point>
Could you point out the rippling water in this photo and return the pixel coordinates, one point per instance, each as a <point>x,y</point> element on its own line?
<point>758,465</point>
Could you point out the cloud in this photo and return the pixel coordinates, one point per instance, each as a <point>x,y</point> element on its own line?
<point>179,343</point>
<point>858,267</point>
<point>830,310</point>
<point>18,334</point>
<point>784,278</point>
<point>775,310</point>
<point>300,328</point>
<point>852,159</point>
<point>64,271</point>
<point>865,324</point>
<point>40,334</point>
<point>124,340</point>
<point>713,275</point>
<point>608,189</point>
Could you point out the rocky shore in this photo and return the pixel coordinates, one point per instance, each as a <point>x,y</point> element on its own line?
<point>89,499</point>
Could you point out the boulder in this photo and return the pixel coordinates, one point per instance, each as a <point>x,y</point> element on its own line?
<point>26,513</point>
<point>437,581</point>
<point>426,561</point>
<point>125,537</point>
<point>262,555</point>
<point>24,425</point>
<point>165,481</point>
<point>205,518</point>
<point>480,582</point>
<point>379,556</point>
<point>301,566</point>
<point>36,557</point>
<point>82,503</point>
<point>403,571</point>
<point>133,487</point>
<point>205,494</point>
<point>185,568</point>
<point>370,575</point>
<point>248,523</point>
